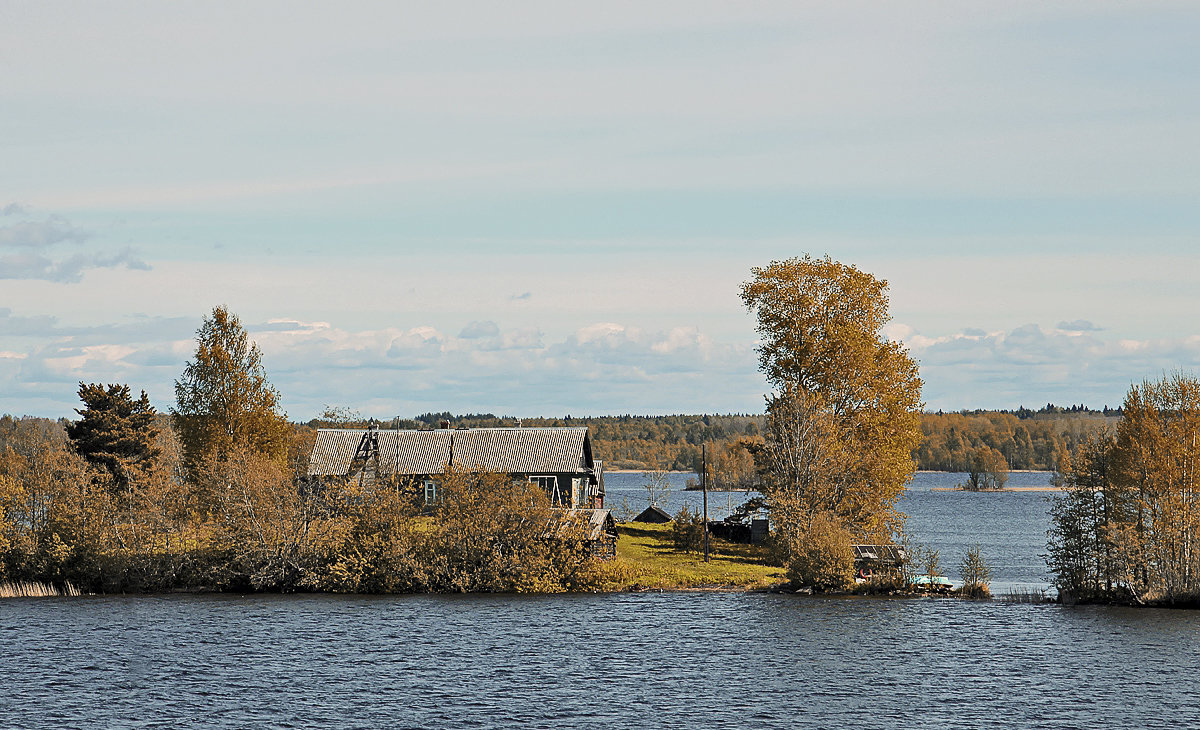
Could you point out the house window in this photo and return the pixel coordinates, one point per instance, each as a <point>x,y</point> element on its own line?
<point>550,484</point>
<point>431,494</point>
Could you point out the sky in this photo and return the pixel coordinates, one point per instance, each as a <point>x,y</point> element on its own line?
<point>547,208</point>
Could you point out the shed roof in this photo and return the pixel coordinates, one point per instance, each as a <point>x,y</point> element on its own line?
<point>595,522</point>
<point>504,450</point>
<point>894,554</point>
<point>653,513</point>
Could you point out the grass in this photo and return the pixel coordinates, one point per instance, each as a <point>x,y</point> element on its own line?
<point>647,559</point>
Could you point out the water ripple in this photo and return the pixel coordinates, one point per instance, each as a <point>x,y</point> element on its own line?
<point>664,660</point>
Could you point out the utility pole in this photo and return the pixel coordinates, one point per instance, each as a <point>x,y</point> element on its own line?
<point>704,484</point>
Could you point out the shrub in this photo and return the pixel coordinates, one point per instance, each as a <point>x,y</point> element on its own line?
<point>975,574</point>
<point>822,555</point>
<point>687,531</point>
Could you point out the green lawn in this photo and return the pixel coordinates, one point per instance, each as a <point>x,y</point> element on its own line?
<point>646,558</point>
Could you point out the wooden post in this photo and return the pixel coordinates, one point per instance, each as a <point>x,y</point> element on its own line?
<point>704,484</point>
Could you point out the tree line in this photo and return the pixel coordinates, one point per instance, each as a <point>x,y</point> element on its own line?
<point>1023,439</point>
<point>1127,527</point>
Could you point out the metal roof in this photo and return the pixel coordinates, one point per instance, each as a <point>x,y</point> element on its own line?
<point>894,554</point>
<point>400,452</point>
<point>522,450</point>
<point>504,450</point>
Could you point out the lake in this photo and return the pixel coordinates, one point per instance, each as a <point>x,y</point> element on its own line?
<point>672,660</point>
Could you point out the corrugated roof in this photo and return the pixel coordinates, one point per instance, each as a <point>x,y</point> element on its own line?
<point>521,450</point>
<point>413,452</point>
<point>504,450</point>
<point>333,451</point>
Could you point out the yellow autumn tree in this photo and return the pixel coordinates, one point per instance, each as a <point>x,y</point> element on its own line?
<point>223,401</point>
<point>845,415</point>
<point>1156,482</point>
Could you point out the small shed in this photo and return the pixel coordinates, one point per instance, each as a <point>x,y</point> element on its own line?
<point>653,513</point>
<point>871,559</point>
<point>599,528</point>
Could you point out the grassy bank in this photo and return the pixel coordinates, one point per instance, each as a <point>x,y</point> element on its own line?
<point>647,559</point>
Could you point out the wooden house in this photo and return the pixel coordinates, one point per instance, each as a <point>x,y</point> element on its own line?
<point>557,459</point>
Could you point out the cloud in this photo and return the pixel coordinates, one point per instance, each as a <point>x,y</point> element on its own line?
<point>521,297</point>
<point>35,254</point>
<point>601,367</point>
<point>12,209</point>
<point>37,325</point>
<point>1029,364</point>
<point>39,234</point>
<point>1079,325</point>
<point>69,270</point>
<point>476,330</point>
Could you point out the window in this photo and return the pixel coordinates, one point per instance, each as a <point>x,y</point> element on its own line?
<point>431,494</point>
<point>581,496</point>
<point>550,484</point>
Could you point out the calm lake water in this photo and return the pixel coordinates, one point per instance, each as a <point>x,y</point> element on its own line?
<point>674,660</point>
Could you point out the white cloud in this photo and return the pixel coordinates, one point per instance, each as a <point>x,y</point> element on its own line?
<point>600,368</point>
<point>1031,365</point>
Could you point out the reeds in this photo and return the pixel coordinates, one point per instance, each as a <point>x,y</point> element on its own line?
<point>33,589</point>
<point>1025,595</point>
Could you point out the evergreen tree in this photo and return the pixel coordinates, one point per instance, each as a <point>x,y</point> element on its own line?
<point>115,431</point>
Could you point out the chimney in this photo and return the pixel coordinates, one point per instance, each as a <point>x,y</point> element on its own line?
<point>443,424</point>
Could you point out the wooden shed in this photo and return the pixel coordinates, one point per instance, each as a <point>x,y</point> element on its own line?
<point>598,527</point>
<point>872,559</point>
<point>655,514</point>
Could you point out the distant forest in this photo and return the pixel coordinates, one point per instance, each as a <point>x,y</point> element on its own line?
<point>1027,439</point>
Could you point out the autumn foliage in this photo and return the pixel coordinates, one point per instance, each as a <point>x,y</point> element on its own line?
<point>844,418</point>
<point>1128,525</point>
<point>216,497</point>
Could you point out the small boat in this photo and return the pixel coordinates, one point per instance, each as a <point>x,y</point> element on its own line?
<point>938,583</point>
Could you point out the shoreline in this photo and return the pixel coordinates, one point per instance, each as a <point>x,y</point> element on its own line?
<point>1047,488</point>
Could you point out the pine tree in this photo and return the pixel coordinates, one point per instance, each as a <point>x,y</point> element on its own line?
<point>115,431</point>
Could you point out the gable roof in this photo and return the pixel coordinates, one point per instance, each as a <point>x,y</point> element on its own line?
<point>890,554</point>
<point>653,513</point>
<point>522,450</point>
<point>595,522</point>
<point>504,450</point>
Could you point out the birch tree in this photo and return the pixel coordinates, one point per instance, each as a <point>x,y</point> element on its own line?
<point>223,400</point>
<point>844,418</point>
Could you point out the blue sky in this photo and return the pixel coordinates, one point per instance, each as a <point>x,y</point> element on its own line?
<point>541,208</point>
